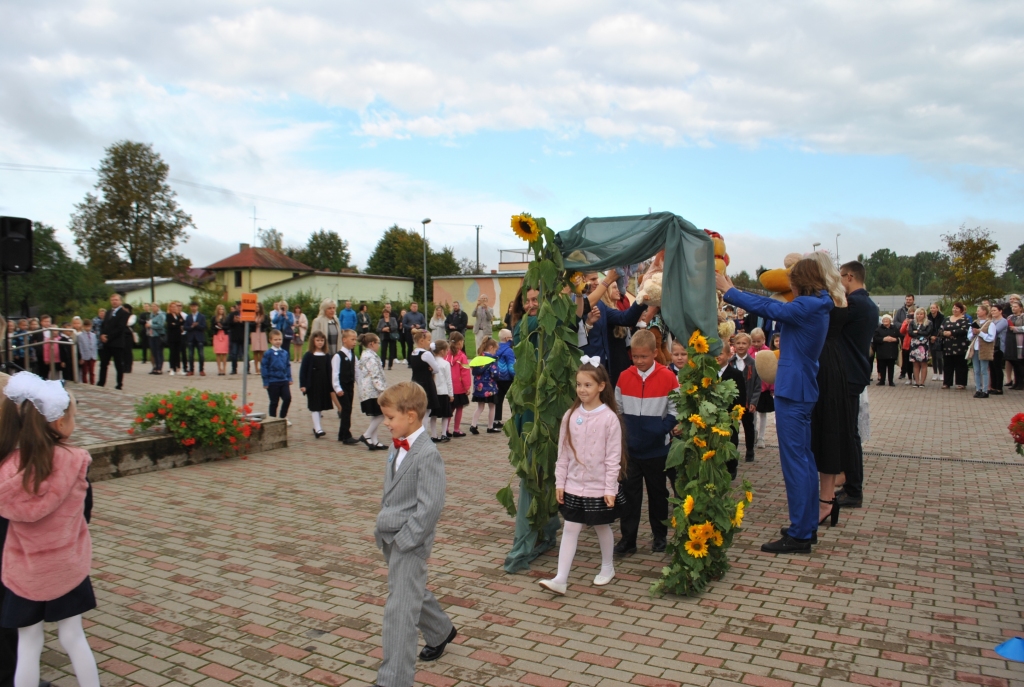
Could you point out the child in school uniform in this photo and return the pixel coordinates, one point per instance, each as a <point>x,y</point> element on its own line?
<point>343,379</point>
<point>87,347</point>
<point>680,356</point>
<point>414,486</point>
<point>506,373</point>
<point>371,382</point>
<point>45,505</point>
<point>276,369</point>
<point>591,460</point>
<point>315,381</point>
<point>727,371</point>
<point>485,386</point>
<point>445,395</point>
<point>757,341</point>
<point>744,363</point>
<point>462,381</point>
<point>424,366</point>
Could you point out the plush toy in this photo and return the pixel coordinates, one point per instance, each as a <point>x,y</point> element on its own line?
<point>777,280</point>
<point>650,282</point>
<point>766,363</point>
<point>721,257</point>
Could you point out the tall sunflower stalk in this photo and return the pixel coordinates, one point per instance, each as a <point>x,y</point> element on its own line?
<point>707,516</point>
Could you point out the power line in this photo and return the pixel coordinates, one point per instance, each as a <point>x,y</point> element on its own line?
<point>242,195</point>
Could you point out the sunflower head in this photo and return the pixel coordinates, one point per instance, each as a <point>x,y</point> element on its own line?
<point>697,420</point>
<point>692,389</point>
<point>578,282</point>
<point>707,530</point>
<point>693,337</point>
<point>700,345</point>
<point>696,532</point>
<point>698,548</point>
<point>722,432</point>
<point>706,382</point>
<point>737,411</point>
<point>699,443</point>
<point>717,539</point>
<point>687,505</point>
<point>525,227</point>
<point>692,364</point>
<point>750,496</point>
<point>673,522</point>
<point>708,455</point>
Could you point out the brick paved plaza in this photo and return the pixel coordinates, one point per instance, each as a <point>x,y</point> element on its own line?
<point>264,572</point>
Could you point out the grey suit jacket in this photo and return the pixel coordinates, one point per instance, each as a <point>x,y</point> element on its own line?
<point>413,498</point>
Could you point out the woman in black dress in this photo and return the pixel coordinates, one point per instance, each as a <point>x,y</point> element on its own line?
<point>315,380</point>
<point>423,366</point>
<point>887,348</point>
<point>831,428</point>
<point>954,348</point>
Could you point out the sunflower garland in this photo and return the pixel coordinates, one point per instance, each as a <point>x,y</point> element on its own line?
<point>707,515</point>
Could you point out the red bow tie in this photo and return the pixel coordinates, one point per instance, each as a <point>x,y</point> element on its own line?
<point>401,443</point>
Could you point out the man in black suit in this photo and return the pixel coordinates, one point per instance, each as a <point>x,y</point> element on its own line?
<point>112,336</point>
<point>457,321</point>
<point>236,337</point>
<point>195,338</point>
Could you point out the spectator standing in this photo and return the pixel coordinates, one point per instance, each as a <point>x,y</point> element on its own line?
<point>1015,343</point>
<point>995,370</point>
<point>258,337</point>
<point>348,318</point>
<point>327,323</point>
<point>887,349</point>
<point>87,351</point>
<point>954,334</point>
<point>982,337</point>
<point>175,326</point>
<point>483,326</point>
<point>195,339</point>
<point>236,338</point>
<point>413,322</point>
<point>112,332</point>
<point>458,321</point>
<point>936,318</point>
<point>283,321</point>
<point>901,316</point>
<point>403,339</point>
<point>389,332</point>
<point>221,339</point>
<point>144,330</point>
<point>364,325</point>
<point>919,331</point>
<point>299,337</point>
<point>157,331</point>
<point>437,325</point>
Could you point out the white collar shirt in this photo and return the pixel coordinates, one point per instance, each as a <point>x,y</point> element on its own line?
<point>402,453</point>
<point>644,374</point>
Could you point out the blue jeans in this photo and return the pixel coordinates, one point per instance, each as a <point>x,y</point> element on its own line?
<point>980,373</point>
<point>799,471</point>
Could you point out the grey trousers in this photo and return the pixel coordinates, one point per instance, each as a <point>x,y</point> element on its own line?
<point>410,606</point>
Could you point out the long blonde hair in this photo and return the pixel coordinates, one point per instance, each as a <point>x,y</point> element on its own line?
<point>833,282</point>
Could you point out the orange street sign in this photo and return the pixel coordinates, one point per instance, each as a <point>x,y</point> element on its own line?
<point>249,301</point>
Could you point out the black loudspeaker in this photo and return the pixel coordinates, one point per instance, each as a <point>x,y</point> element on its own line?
<point>15,245</point>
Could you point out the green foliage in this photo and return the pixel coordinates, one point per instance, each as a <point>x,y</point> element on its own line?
<point>545,381</point>
<point>1015,262</point>
<point>198,419</point>
<point>399,253</point>
<point>135,213</point>
<point>58,285</point>
<point>708,418</point>
<point>889,273</point>
<point>270,238</point>
<point>970,253</point>
<point>325,251</point>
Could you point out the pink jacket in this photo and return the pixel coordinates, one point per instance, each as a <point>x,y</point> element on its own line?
<point>593,470</point>
<point>48,550</point>
<point>462,378</point>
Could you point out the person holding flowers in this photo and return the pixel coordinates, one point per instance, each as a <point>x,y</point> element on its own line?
<point>804,326</point>
<point>591,459</point>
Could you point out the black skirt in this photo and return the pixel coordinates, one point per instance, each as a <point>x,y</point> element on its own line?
<point>766,402</point>
<point>371,407</point>
<point>423,375</point>
<point>18,612</point>
<point>444,407</point>
<point>318,393</point>
<point>460,400</point>
<point>591,510</point>
<point>831,429</point>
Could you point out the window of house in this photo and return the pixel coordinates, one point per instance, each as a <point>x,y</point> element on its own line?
<point>238,278</point>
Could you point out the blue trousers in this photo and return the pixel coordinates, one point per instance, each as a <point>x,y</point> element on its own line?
<point>793,424</point>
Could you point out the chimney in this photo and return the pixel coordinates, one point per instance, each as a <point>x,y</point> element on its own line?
<point>243,246</point>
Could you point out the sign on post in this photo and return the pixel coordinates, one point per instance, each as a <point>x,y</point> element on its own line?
<point>249,301</point>
<point>247,314</point>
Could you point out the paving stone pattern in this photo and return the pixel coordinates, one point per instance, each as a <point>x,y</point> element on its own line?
<point>264,572</point>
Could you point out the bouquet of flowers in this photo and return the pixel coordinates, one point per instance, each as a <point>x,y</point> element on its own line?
<point>1017,431</point>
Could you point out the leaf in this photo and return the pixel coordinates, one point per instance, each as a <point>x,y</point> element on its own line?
<point>506,499</point>
<point>548,276</point>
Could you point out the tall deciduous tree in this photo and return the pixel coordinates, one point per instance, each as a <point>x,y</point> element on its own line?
<point>400,253</point>
<point>1015,262</point>
<point>970,253</point>
<point>325,250</point>
<point>135,213</point>
<point>270,238</point>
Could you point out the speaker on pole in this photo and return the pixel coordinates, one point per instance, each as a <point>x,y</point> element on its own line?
<point>15,245</point>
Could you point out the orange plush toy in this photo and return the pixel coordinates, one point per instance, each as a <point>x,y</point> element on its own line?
<point>777,280</point>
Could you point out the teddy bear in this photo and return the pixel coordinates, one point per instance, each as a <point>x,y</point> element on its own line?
<point>777,280</point>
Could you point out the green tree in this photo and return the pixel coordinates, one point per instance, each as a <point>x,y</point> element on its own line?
<point>399,253</point>
<point>325,250</point>
<point>468,266</point>
<point>270,238</point>
<point>970,253</point>
<point>134,215</point>
<point>743,281</point>
<point>1015,262</point>
<point>58,285</point>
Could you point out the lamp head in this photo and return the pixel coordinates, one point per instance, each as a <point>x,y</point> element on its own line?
<point>425,221</point>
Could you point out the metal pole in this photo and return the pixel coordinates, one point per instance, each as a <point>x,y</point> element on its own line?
<point>478,249</point>
<point>837,247</point>
<point>245,361</point>
<point>425,299</point>
<point>152,281</point>
<point>74,357</point>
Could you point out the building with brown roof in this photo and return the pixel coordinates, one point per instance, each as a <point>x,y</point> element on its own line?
<point>251,268</point>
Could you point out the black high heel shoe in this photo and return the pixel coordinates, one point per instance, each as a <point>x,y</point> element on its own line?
<point>833,516</point>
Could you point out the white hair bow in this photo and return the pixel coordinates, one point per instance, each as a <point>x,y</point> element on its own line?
<point>594,360</point>
<point>49,397</point>
<point>432,347</point>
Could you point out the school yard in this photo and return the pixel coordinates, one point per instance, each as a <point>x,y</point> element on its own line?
<point>263,571</point>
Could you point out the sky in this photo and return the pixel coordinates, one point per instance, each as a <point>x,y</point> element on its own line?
<point>855,125</point>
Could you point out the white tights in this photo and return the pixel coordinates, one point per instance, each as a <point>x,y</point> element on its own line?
<point>316,421</point>
<point>490,414</point>
<point>762,420</point>
<point>567,550</point>
<point>374,429</point>
<point>72,638</point>
<point>444,426</point>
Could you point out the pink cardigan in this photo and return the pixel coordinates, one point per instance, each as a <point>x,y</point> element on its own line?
<point>462,378</point>
<point>594,469</point>
<point>48,550</point>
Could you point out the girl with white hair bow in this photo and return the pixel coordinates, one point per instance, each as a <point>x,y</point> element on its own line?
<point>47,554</point>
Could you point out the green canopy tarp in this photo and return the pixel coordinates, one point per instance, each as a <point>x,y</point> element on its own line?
<point>688,298</point>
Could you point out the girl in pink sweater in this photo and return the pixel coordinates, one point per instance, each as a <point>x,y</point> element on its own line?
<point>47,554</point>
<point>591,460</point>
<point>462,380</point>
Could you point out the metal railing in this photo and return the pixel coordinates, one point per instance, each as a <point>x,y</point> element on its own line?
<point>73,343</point>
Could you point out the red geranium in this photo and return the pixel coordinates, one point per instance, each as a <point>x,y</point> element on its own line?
<point>205,396</point>
<point>202,418</point>
<point>190,441</point>
<point>150,416</point>
<point>1017,431</point>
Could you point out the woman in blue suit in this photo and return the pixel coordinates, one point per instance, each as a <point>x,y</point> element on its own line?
<point>804,326</point>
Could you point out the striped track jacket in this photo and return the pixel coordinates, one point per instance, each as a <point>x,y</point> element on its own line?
<point>647,411</point>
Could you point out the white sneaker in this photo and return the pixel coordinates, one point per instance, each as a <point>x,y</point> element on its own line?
<point>907,383</point>
<point>760,443</point>
<point>602,580</point>
<point>554,587</point>
<point>171,373</point>
<point>289,422</point>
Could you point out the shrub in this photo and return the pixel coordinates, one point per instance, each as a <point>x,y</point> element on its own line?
<point>197,419</point>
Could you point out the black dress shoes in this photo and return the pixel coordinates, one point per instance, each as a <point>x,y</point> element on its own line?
<point>432,653</point>
<point>847,501</point>
<point>351,441</point>
<point>658,545</point>
<point>788,545</point>
<point>624,549</point>
<point>814,535</point>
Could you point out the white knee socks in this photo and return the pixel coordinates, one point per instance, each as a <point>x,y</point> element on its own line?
<point>72,638</point>
<point>606,538</point>
<point>476,414</point>
<point>567,550</point>
<point>316,421</point>
<point>762,419</point>
<point>433,428</point>
<point>374,428</point>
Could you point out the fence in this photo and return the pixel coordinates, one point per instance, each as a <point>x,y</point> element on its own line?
<point>8,358</point>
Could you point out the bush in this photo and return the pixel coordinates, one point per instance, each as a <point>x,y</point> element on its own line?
<point>197,419</point>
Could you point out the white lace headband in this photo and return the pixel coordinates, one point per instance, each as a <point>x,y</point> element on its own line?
<point>50,398</point>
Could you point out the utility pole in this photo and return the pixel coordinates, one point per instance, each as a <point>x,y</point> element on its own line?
<point>425,221</point>
<point>478,249</point>
<point>152,281</point>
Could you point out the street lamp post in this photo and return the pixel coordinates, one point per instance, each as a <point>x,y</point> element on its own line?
<point>425,222</point>
<point>837,247</point>
<point>814,246</point>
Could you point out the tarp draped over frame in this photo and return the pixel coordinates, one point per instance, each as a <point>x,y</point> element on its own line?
<point>688,299</point>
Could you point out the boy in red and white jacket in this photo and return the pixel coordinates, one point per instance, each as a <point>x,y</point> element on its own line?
<point>642,394</point>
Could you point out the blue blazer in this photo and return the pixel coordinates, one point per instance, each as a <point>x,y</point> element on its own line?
<point>804,327</point>
<point>597,341</point>
<point>197,334</point>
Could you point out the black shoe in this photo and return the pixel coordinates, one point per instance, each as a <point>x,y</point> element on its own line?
<point>881,384</point>
<point>351,441</point>
<point>847,501</point>
<point>457,435</point>
<point>903,376</point>
<point>493,430</point>
<point>378,447</point>
<point>319,434</point>
<point>996,392</point>
<point>44,683</point>
<point>624,549</point>
<point>435,440</point>
<point>833,516</point>
<point>980,394</point>
<point>444,439</point>
<point>658,546</point>
<point>788,545</point>
<point>814,535</point>
<point>432,653</point>
<point>892,383</point>
<point>449,435</point>
<point>750,457</point>
<point>499,424</point>
<point>474,430</point>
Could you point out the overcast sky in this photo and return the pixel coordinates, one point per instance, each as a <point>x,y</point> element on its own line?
<point>778,124</point>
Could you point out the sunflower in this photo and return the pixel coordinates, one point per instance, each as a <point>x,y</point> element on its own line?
<point>692,389</point>
<point>693,337</point>
<point>750,496</point>
<point>673,521</point>
<point>722,432</point>
<point>696,548</point>
<point>738,410</point>
<point>578,281</point>
<point>525,227</point>
<point>707,530</point>
<point>697,420</point>
<point>696,532</point>
<point>687,505</point>
<point>717,539</point>
<point>699,443</point>
<point>706,382</point>
<point>737,521</point>
<point>700,345</point>
<point>692,364</point>
<point>708,455</point>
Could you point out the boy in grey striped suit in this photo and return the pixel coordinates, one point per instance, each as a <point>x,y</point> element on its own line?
<point>414,485</point>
